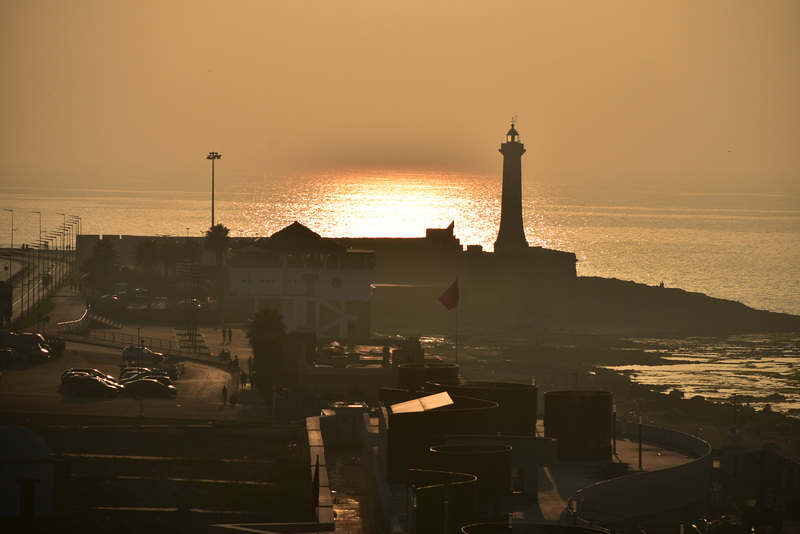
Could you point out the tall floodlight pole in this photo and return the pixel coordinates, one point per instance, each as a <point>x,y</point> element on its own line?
<point>212,156</point>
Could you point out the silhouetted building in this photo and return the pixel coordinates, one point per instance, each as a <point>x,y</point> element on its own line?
<point>27,474</point>
<point>316,283</point>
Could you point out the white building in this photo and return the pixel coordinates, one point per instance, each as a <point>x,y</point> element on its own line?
<point>317,284</point>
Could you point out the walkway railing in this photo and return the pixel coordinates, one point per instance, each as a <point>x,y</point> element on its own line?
<point>67,327</point>
<point>640,494</point>
<point>169,348</point>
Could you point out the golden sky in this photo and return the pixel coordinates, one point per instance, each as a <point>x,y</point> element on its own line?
<point>660,90</point>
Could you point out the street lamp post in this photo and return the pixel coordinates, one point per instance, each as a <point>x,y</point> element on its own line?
<point>213,156</point>
<point>141,351</point>
<point>12,229</point>
<point>75,221</point>
<point>640,443</point>
<point>61,254</point>
<point>39,264</point>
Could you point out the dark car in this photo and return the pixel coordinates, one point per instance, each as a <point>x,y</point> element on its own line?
<point>32,345</point>
<point>159,376</point>
<point>135,354</point>
<point>9,356</point>
<point>86,371</point>
<point>187,304</point>
<point>83,385</point>
<point>126,371</point>
<point>110,303</point>
<point>149,387</point>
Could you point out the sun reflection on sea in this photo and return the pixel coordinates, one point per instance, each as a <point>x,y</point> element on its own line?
<point>379,204</point>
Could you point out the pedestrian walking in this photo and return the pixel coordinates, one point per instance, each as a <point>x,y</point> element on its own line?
<point>223,336</point>
<point>224,394</point>
<point>250,365</point>
<point>230,336</point>
<point>243,380</point>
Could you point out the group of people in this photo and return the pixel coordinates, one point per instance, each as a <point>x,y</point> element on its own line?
<point>243,378</point>
<point>227,333</point>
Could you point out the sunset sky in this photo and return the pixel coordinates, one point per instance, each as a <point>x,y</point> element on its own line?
<point>657,91</point>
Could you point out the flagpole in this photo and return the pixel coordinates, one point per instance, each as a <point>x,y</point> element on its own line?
<point>449,300</point>
<point>456,335</point>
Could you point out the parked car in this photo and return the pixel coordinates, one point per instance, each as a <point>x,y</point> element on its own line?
<point>84,385</point>
<point>149,387</point>
<point>161,377</point>
<point>126,371</point>
<point>9,356</point>
<point>86,371</point>
<point>186,304</point>
<point>32,345</point>
<point>133,354</point>
<point>56,346</point>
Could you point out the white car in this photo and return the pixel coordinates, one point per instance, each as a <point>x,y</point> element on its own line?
<point>134,354</point>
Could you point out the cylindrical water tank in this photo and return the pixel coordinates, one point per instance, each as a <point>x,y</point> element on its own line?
<point>517,402</point>
<point>414,375</point>
<point>581,422</point>
<point>491,464</point>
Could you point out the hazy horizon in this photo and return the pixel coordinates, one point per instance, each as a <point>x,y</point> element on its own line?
<point>98,94</point>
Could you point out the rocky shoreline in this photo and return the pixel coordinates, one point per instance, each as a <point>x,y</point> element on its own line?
<point>556,365</point>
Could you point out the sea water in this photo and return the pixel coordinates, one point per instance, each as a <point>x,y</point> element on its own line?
<point>743,246</point>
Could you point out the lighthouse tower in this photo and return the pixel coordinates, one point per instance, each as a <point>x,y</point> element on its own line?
<point>511,236</point>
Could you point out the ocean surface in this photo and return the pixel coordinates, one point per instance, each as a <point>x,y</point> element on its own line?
<point>742,246</point>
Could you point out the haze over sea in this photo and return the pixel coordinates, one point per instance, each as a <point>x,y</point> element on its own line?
<point>739,246</point>
<point>742,246</point>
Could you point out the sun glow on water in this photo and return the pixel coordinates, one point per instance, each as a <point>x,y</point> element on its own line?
<point>379,204</point>
<point>739,247</point>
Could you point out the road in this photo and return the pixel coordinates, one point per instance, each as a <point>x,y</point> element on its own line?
<point>36,389</point>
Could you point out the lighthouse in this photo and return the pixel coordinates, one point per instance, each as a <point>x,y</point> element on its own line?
<point>511,236</point>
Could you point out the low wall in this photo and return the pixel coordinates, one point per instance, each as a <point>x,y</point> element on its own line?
<point>647,493</point>
<point>316,449</point>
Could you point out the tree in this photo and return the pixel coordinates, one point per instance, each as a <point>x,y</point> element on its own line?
<point>217,241</point>
<point>101,264</point>
<point>190,250</point>
<point>267,337</point>
<point>146,254</point>
<point>169,254</point>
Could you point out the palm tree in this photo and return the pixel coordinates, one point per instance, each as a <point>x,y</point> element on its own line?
<point>169,253</point>
<point>189,250</point>
<point>217,241</point>
<point>146,254</point>
<point>267,337</point>
<point>101,264</point>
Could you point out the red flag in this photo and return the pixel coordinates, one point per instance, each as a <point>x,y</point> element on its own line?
<point>450,297</point>
<point>315,485</point>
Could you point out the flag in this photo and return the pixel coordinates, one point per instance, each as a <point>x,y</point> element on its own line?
<point>315,485</point>
<point>450,297</point>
